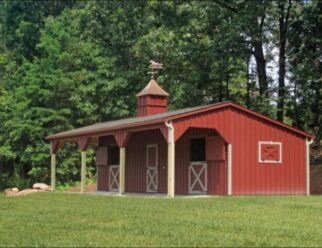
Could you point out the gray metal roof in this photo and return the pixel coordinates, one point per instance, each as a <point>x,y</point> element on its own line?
<point>97,127</point>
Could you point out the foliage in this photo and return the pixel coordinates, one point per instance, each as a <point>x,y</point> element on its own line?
<point>66,64</point>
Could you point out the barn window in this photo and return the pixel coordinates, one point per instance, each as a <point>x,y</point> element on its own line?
<point>197,150</point>
<point>269,152</point>
<point>113,155</point>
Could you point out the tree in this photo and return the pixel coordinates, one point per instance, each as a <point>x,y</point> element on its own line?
<point>284,16</point>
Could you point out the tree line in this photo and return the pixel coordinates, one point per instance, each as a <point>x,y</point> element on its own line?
<point>66,64</point>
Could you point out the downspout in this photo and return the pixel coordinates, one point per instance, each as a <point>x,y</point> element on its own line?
<point>308,143</point>
<point>171,158</point>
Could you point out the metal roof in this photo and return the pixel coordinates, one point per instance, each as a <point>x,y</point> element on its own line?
<point>116,125</point>
<point>153,88</point>
<point>97,127</point>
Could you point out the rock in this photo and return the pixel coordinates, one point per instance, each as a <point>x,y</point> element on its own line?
<point>41,186</point>
<point>7,191</point>
<point>48,188</point>
<point>15,190</point>
<point>27,192</point>
<point>12,192</point>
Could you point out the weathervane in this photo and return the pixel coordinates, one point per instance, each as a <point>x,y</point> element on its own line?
<point>154,67</point>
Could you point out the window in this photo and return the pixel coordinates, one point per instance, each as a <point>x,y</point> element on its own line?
<point>113,155</point>
<point>269,152</point>
<point>197,150</point>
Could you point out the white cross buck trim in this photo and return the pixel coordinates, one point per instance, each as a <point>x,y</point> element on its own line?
<point>197,180</point>
<point>113,177</point>
<point>152,179</point>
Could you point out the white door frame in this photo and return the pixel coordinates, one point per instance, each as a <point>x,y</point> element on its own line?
<point>152,171</point>
<point>113,177</point>
<point>191,185</point>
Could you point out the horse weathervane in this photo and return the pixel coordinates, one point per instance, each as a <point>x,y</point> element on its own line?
<point>154,67</point>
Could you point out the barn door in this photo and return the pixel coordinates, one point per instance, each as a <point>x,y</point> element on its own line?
<point>152,168</point>
<point>198,178</point>
<point>113,178</point>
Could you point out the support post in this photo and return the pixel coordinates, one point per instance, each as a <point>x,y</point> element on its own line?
<point>53,172</point>
<point>229,170</point>
<point>122,171</point>
<point>83,171</point>
<point>171,160</point>
<point>308,143</point>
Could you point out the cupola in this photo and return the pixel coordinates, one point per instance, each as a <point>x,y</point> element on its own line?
<point>152,100</point>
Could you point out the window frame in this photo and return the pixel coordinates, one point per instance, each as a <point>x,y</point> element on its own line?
<point>260,143</point>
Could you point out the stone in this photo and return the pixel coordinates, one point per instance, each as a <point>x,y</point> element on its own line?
<point>48,188</point>
<point>41,186</point>
<point>27,192</point>
<point>14,190</point>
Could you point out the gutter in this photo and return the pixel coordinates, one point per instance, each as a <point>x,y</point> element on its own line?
<point>170,131</point>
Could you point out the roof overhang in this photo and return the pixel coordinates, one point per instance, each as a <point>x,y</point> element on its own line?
<point>155,123</point>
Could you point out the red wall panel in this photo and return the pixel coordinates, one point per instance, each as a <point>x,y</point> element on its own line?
<point>103,161</point>
<point>135,162</point>
<point>217,170</point>
<point>240,129</point>
<point>243,131</point>
<point>102,177</point>
<point>217,178</point>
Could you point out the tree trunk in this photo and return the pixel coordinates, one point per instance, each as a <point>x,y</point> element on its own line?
<point>283,23</point>
<point>261,69</point>
<point>248,83</point>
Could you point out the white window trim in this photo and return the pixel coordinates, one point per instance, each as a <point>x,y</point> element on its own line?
<point>260,143</point>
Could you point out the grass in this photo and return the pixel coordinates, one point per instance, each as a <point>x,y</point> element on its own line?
<point>61,219</point>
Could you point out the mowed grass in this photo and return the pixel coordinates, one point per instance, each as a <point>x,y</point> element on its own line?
<point>61,219</point>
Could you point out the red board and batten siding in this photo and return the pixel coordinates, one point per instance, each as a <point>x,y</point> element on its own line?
<point>217,169</point>
<point>135,172</point>
<point>136,155</point>
<point>240,129</point>
<point>102,168</point>
<point>244,131</point>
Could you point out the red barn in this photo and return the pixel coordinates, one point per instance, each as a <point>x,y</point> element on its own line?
<point>217,149</point>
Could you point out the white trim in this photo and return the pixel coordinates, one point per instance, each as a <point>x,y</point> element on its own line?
<point>112,177</point>
<point>191,170</point>
<point>229,169</point>
<point>260,143</point>
<point>152,171</point>
<point>308,143</point>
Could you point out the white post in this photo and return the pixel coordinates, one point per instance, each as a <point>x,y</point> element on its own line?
<point>171,160</point>
<point>308,143</point>
<point>122,171</point>
<point>53,172</point>
<point>229,169</point>
<point>83,171</point>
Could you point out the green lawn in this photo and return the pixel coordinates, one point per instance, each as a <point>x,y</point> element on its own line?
<point>60,219</point>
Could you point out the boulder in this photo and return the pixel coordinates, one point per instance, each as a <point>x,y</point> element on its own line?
<point>27,192</point>
<point>48,188</point>
<point>41,186</point>
<point>14,190</point>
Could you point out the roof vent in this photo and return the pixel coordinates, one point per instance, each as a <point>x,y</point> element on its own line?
<point>152,100</point>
